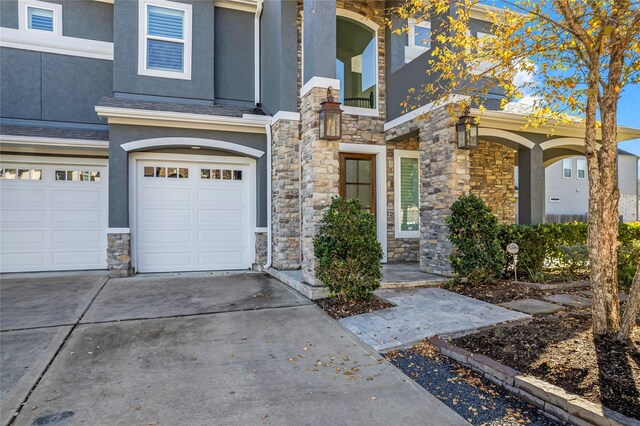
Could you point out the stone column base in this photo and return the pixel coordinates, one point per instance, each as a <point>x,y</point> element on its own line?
<point>119,255</point>
<point>261,251</point>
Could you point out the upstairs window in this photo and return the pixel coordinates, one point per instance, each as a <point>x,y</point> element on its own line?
<point>165,39</point>
<point>419,39</point>
<point>41,17</point>
<point>581,166</point>
<point>357,64</point>
<point>567,168</point>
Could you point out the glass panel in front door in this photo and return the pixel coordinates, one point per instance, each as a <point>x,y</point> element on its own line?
<point>358,181</point>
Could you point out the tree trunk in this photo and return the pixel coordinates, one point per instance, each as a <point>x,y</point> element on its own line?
<point>631,311</point>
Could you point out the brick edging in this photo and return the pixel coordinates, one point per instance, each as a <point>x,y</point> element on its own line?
<point>551,399</point>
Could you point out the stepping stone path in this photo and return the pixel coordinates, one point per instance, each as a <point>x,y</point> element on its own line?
<point>532,306</point>
<point>424,312</point>
<point>570,300</point>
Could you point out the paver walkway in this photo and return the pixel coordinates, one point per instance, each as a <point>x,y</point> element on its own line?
<point>424,312</point>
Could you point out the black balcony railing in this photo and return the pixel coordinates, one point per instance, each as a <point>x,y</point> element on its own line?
<point>360,102</point>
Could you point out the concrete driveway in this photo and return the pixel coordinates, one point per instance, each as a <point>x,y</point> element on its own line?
<point>190,349</point>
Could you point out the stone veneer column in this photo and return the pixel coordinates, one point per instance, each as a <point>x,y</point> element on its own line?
<point>319,163</point>
<point>445,177</point>
<point>119,254</point>
<point>285,205</point>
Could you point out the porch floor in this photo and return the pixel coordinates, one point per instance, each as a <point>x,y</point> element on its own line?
<point>394,275</point>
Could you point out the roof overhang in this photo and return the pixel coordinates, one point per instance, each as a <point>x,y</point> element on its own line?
<point>142,117</point>
<point>516,122</point>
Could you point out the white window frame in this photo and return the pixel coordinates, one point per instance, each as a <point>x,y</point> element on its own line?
<point>23,16</point>
<point>583,168</point>
<point>570,161</point>
<point>143,6</point>
<point>412,50</point>
<point>398,154</point>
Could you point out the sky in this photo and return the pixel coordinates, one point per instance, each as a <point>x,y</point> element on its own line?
<point>629,116</point>
<point>628,107</point>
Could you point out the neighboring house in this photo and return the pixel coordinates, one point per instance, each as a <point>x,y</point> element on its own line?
<point>567,188</point>
<point>156,135</point>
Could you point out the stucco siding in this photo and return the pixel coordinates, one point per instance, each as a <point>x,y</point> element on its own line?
<point>125,73</point>
<point>234,49</point>
<point>45,86</point>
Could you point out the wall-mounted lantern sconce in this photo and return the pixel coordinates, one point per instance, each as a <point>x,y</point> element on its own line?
<point>330,119</point>
<point>467,132</point>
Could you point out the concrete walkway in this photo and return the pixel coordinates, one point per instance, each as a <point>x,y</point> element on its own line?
<point>191,349</point>
<point>424,312</point>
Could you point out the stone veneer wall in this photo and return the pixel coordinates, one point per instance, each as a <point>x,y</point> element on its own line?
<point>359,128</point>
<point>492,178</point>
<point>445,177</point>
<point>119,255</point>
<point>285,206</point>
<point>262,241</point>
<point>398,249</point>
<point>319,165</point>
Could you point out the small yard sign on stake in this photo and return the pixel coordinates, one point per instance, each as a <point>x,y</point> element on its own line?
<point>513,249</point>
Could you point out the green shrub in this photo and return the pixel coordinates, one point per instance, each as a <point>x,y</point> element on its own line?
<point>474,231</point>
<point>348,251</point>
<point>544,249</point>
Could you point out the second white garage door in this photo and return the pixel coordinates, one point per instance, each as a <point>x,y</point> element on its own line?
<point>193,216</point>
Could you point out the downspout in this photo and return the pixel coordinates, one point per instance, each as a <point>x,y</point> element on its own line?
<point>269,195</point>
<point>256,59</point>
<point>256,52</point>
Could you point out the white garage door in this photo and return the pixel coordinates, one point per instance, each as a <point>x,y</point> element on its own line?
<point>53,217</point>
<point>193,216</point>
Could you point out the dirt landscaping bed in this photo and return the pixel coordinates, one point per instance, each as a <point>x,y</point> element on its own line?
<point>561,349</point>
<point>505,291</point>
<point>339,309</point>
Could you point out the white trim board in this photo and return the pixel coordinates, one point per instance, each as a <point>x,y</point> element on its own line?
<point>30,159</point>
<point>208,143</point>
<point>285,115</point>
<point>242,5</point>
<point>61,45</point>
<point>145,117</point>
<point>319,82</point>
<point>499,133</point>
<point>58,142</point>
<point>425,109</point>
<point>381,186</point>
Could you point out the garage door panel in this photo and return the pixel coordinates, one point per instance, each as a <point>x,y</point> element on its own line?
<point>16,262</point>
<point>77,236</point>
<point>160,236</point>
<point>21,237</point>
<point>75,217</point>
<point>17,217</point>
<point>78,258</point>
<point>15,195</point>
<point>226,258</point>
<point>221,235</point>
<point>202,223</point>
<point>222,218</point>
<point>165,194</point>
<point>166,261</point>
<point>75,197</point>
<point>49,224</point>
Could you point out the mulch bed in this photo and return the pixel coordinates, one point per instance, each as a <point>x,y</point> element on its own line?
<point>338,309</point>
<point>561,349</point>
<point>471,396</point>
<point>505,291</point>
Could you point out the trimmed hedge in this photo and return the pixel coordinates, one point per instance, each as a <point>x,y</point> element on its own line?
<point>543,247</point>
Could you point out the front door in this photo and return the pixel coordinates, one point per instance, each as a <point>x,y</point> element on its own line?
<point>358,179</point>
